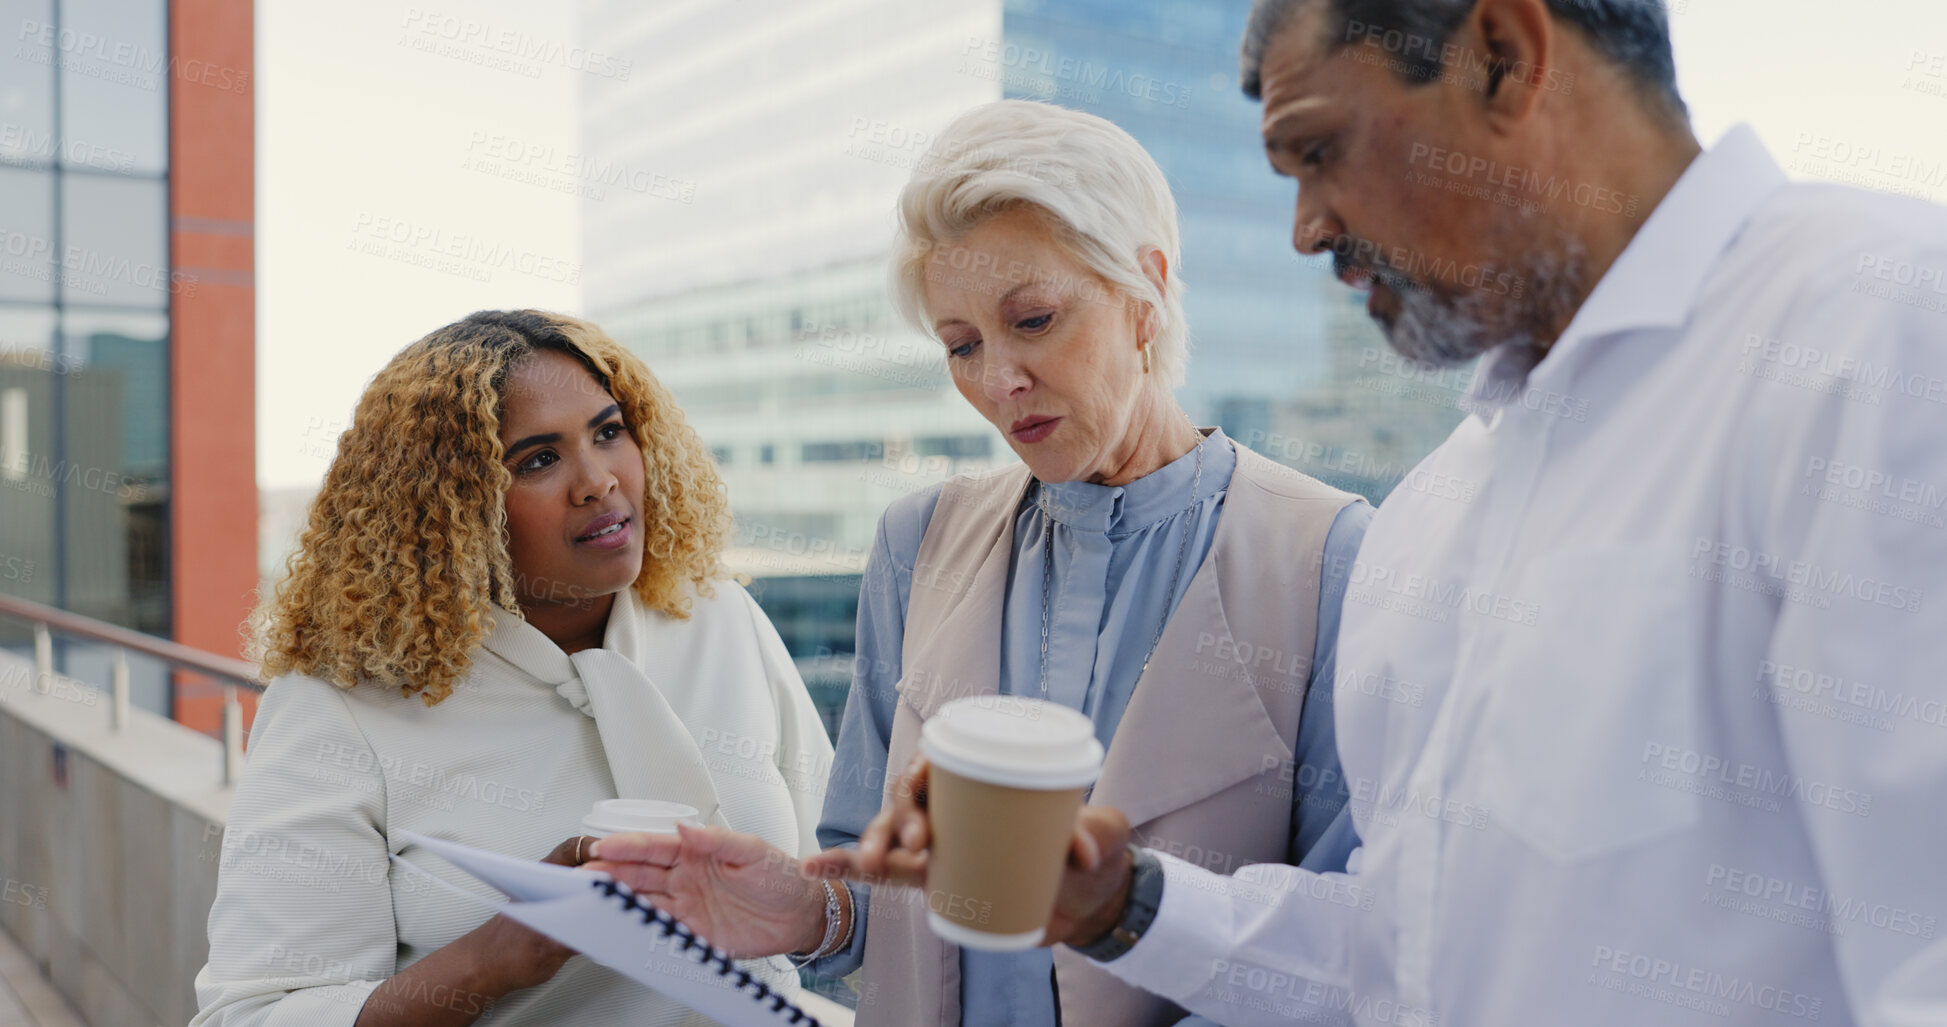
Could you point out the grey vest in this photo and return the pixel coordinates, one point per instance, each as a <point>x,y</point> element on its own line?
<point>1201,761</point>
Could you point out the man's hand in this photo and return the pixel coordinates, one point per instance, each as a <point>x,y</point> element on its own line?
<point>892,849</point>
<point>1094,886</point>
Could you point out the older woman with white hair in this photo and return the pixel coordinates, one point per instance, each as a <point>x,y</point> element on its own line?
<point>1176,588</point>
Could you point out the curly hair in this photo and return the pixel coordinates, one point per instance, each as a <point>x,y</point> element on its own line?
<point>406,544</point>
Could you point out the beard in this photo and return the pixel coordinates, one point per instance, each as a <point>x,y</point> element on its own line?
<point>1443,324</point>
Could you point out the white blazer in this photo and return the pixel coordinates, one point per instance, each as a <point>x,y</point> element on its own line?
<point>310,917</point>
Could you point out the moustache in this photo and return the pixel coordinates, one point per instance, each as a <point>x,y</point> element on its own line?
<point>1347,257</point>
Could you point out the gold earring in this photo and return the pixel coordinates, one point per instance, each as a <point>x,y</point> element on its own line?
<point>1145,350</point>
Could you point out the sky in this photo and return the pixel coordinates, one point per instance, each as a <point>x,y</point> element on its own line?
<point>383,207</point>
<point>411,163</point>
<point>1851,92</point>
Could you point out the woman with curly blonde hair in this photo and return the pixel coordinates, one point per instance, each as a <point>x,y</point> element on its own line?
<point>507,606</point>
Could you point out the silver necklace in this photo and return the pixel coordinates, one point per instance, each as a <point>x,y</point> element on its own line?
<point>1176,577</point>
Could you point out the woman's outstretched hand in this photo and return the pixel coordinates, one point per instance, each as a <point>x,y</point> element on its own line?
<point>739,891</point>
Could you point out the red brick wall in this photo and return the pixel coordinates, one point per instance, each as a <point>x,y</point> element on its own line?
<point>212,206</point>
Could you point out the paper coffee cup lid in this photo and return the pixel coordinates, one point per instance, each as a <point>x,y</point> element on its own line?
<point>615,816</point>
<point>1016,742</point>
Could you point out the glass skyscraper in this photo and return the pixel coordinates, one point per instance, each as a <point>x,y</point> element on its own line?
<point>127,471</point>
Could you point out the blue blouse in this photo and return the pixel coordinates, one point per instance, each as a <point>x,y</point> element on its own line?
<point>1115,554</point>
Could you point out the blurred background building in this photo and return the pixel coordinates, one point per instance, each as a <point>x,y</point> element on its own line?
<point>127,327</point>
<point>747,261</point>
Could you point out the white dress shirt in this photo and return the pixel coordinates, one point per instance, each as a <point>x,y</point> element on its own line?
<point>311,916</point>
<point>1646,723</point>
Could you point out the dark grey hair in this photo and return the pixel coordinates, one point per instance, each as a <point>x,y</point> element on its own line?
<point>1633,33</point>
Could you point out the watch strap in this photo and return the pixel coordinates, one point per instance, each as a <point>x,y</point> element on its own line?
<point>1145,898</point>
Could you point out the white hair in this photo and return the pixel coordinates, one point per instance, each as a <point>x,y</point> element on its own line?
<point>1101,191</point>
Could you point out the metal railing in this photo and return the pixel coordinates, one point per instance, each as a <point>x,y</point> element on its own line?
<point>234,673</point>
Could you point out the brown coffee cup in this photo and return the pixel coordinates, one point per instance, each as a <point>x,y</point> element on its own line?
<point>1008,775</point>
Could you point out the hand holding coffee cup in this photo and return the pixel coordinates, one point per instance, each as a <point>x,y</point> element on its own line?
<point>1094,884</point>
<point>892,849</point>
<point>988,822</point>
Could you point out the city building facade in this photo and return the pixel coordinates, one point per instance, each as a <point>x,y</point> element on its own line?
<point>127,327</point>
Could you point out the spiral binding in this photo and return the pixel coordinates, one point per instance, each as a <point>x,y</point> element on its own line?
<point>713,957</point>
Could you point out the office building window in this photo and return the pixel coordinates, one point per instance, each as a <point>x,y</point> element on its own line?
<point>842,452</point>
<point>115,241</point>
<point>955,447</point>
<point>27,247</point>
<point>27,88</point>
<point>85,294</point>
<point>115,93</point>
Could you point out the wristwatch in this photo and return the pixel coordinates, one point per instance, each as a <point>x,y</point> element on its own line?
<point>1145,897</point>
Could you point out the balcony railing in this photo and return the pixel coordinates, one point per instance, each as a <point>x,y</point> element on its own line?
<point>49,621</point>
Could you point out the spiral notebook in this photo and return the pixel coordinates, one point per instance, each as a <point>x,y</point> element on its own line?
<point>602,919</point>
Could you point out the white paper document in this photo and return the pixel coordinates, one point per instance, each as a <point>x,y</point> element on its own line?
<point>602,919</point>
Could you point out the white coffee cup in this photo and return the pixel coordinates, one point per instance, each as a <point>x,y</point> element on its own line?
<point>622,816</point>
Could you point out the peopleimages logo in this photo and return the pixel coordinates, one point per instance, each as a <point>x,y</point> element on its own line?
<point>1902,281</point>
<point>895,145</point>
<point>428,784</point>
<point>118,60</point>
<point>1032,61</point>
<point>522,160</point>
<point>24,144</point>
<point>1522,181</point>
<point>513,44</point>
<point>14,893</point>
<point>1374,584</point>
<point>425,244</point>
<point>1468,65</point>
<point>1420,267</point>
<point>1871,159</point>
<point>1836,910</point>
<point>1723,562</point>
<point>1820,688</point>
<point>1689,986</point>
<point>41,469</point>
<point>1750,778</point>
<point>83,269</point>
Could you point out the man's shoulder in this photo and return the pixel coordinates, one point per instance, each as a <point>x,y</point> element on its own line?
<point>1857,230</point>
<point>1827,276</point>
<point>1840,296</point>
